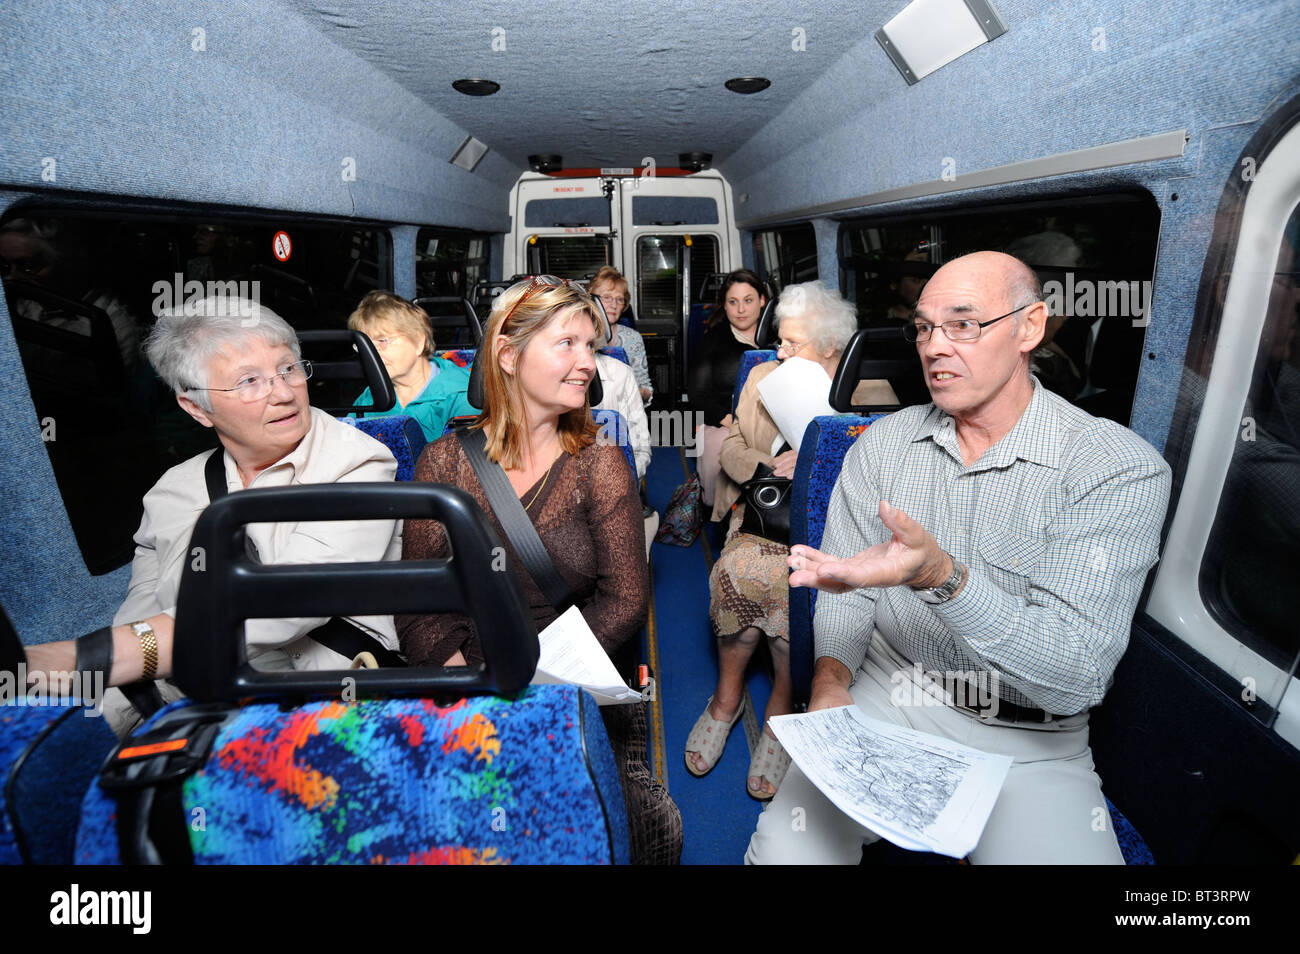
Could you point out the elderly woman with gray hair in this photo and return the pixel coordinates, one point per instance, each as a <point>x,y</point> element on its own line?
<point>749,596</point>
<point>237,368</point>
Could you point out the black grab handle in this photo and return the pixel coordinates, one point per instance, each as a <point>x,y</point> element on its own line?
<point>223,586</point>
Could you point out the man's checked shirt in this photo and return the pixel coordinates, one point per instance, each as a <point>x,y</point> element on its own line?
<point>1058,523</point>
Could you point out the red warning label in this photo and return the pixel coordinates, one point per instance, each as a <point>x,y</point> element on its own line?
<point>282,246</point>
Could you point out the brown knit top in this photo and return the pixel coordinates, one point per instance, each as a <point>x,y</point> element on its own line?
<point>588,515</point>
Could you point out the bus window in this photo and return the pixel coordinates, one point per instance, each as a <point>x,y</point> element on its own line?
<point>674,210</point>
<point>1247,576</point>
<point>787,256</point>
<point>569,256</point>
<point>449,263</point>
<point>83,290</point>
<point>1095,256</point>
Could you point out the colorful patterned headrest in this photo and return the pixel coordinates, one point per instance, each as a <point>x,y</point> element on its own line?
<point>748,362</point>
<point>486,780</point>
<point>461,357</point>
<point>400,433</point>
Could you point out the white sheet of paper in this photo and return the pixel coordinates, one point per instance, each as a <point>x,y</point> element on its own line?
<point>794,394</point>
<point>571,654</point>
<point>920,791</point>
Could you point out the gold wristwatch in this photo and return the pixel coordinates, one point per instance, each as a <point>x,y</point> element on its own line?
<point>148,648</point>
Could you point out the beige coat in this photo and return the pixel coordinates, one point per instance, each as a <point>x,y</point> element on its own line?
<point>749,443</point>
<point>753,431</point>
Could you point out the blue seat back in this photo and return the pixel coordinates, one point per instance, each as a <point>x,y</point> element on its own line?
<point>748,362</point>
<point>49,756</point>
<point>821,455</point>
<point>613,428</point>
<point>461,357</point>
<point>400,433</point>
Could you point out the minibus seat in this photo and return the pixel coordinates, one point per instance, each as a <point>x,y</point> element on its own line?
<point>460,357</point>
<point>821,455</point>
<point>400,433</point>
<point>860,362</point>
<point>374,766</point>
<point>342,356</point>
<point>50,752</point>
<point>452,311</point>
<point>614,430</point>
<point>765,335</point>
<point>748,362</point>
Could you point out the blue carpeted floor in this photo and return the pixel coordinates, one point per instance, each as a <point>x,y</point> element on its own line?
<point>717,813</point>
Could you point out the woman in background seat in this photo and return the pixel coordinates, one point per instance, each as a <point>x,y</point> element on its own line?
<point>610,287</point>
<point>732,326</point>
<point>429,389</point>
<point>748,594</point>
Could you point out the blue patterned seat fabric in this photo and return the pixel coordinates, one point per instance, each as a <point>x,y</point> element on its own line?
<point>461,357</point>
<point>41,793</point>
<point>400,433</point>
<point>613,428</point>
<point>487,780</point>
<point>748,362</point>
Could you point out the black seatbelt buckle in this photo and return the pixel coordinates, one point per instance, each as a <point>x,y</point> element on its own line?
<point>166,752</point>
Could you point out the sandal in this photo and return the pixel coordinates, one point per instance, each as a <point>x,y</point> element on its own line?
<point>769,761</point>
<point>708,738</point>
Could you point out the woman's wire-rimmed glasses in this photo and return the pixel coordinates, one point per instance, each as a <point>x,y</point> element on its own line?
<point>255,387</point>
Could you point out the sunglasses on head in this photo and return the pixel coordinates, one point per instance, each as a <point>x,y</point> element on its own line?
<point>541,282</point>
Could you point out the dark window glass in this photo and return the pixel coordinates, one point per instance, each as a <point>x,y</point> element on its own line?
<point>1094,254</point>
<point>569,256</point>
<point>449,263</point>
<point>671,275</point>
<point>787,256</point>
<point>83,291</point>
<point>674,210</point>
<point>567,213</point>
<point>1248,571</point>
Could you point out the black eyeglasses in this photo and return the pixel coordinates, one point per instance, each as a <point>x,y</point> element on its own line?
<point>545,281</point>
<point>962,329</point>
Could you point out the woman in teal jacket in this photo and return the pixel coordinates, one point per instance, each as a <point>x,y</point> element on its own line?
<point>429,389</point>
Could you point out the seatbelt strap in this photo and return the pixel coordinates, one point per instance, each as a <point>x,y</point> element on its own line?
<point>336,633</point>
<point>214,473</point>
<point>514,521</point>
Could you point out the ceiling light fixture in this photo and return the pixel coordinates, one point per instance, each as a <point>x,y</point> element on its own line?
<point>475,87</point>
<point>748,84</point>
<point>929,34</point>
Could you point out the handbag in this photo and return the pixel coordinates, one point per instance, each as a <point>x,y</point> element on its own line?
<point>684,515</point>
<point>767,505</point>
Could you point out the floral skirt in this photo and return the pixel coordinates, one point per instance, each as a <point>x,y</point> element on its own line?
<point>749,587</point>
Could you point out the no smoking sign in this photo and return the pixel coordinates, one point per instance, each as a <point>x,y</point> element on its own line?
<point>282,246</point>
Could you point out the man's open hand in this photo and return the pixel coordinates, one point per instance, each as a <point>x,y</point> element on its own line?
<point>910,558</point>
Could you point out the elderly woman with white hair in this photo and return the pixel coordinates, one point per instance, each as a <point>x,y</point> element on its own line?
<point>237,368</point>
<point>749,596</point>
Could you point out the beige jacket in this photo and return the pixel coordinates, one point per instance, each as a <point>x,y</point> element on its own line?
<point>749,443</point>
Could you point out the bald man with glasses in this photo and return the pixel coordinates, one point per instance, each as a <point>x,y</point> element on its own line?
<point>998,535</point>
